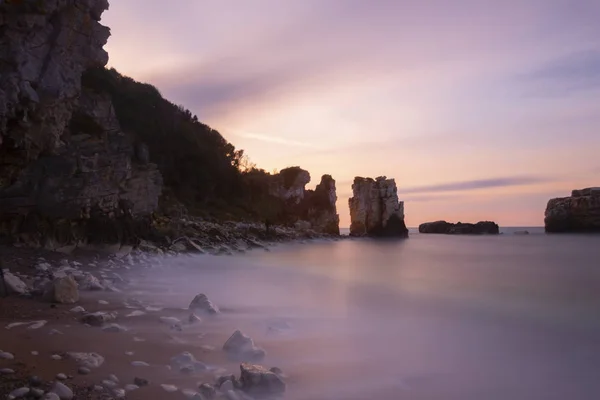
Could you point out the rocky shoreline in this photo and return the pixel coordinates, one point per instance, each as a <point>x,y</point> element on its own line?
<point>73,326</point>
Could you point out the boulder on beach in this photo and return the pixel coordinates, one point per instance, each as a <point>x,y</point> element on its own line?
<point>97,319</point>
<point>256,379</point>
<point>87,360</point>
<point>62,290</point>
<point>242,347</point>
<point>448,228</point>
<point>202,303</point>
<point>14,285</point>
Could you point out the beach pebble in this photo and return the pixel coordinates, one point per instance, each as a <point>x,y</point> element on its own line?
<point>35,353</point>
<point>190,393</point>
<point>113,378</point>
<point>141,381</point>
<point>89,360</point>
<point>119,393</point>
<point>207,391</point>
<point>103,302</point>
<point>63,391</point>
<point>35,381</point>
<point>109,384</point>
<point>61,377</point>
<point>140,364</point>
<point>138,339</point>
<point>129,353</point>
<point>51,396</point>
<point>77,309</point>
<point>114,328</point>
<point>130,387</point>
<point>169,388</point>
<point>55,332</point>
<point>55,357</point>
<point>37,325</point>
<point>6,356</point>
<point>6,371</point>
<point>36,393</point>
<point>135,313</point>
<point>18,393</point>
<point>83,371</point>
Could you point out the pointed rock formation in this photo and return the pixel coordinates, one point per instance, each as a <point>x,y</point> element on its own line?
<point>375,209</point>
<point>578,213</point>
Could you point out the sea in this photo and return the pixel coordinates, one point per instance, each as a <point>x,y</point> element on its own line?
<point>437,317</point>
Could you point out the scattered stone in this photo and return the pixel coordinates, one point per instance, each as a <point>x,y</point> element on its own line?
<point>18,393</point>
<point>35,353</point>
<point>14,284</point>
<point>130,387</point>
<point>114,328</point>
<point>87,360</point>
<point>256,379</point>
<point>119,393</point>
<point>242,347</point>
<point>56,357</point>
<point>63,391</point>
<point>140,364</point>
<point>83,371</point>
<point>113,378</point>
<point>129,353</point>
<point>36,393</point>
<point>138,339</point>
<point>109,384</point>
<point>141,381</point>
<point>62,290</point>
<point>207,391</point>
<point>190,393</point>
<point>55,332</point>
<point>90,282</point>
<point>51,396</point>
<point>6,371</point>
<point>77,309</point>
<point>202,303</point>
<point>169,388</point>
<point>61,377</point>
<point>103,302</point>
<point>135,313</point>
<point>97,319</point>
<point>35,381</point>
<point>6,356</point>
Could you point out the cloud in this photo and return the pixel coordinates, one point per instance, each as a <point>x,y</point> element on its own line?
<point>271,139</point>
<point>478,184</point>
<point>578,71</point>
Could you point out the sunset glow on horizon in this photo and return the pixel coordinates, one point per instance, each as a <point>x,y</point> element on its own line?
<point>480,110</point>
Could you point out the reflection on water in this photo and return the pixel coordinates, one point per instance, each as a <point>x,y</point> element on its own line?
<point>431,317</point>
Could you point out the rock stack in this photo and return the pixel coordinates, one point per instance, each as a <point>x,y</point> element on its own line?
<point>578,213</point>
<point>375,209</point>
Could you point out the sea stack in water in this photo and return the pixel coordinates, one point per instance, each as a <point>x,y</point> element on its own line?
<point>375,209</point>
<point>443,227</point>
<point>578,213</point>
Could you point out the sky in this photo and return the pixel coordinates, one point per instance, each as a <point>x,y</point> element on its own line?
<point>479,109</point>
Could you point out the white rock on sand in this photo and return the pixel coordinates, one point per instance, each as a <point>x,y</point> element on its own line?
<point>6,355</point>
<point>169,388</point>
<point>18,393</point>
<point>77,309</point>
<point>62,391</point>
<point>14,284</point>
<point>88,360</point>
<point>62,290</point>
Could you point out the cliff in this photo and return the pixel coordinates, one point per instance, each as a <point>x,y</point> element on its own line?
<point>375,209</point>
<point>443,227</point>
<point>578,213</point>
<point>312,209</point>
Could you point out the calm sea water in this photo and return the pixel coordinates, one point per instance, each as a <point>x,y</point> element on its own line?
<point>431,317</point>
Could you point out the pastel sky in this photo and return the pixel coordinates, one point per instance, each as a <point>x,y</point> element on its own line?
<point>480,109</point>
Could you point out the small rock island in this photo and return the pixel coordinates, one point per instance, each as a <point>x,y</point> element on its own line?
<point>375,209</point>
<point>447,228</point>
<point>578,213</point>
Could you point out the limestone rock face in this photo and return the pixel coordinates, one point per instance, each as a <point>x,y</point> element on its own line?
<point>321,207</point>
<point>289,184</point>
<point>443,227</point>
<point>68,172</point>
<point>578,213</point>
<point>375,209</point>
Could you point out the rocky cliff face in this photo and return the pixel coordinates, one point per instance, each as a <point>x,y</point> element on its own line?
<point>67,171</point>
<point>443,227</point>
<point>578,213</point>
<point>313,209</point>
<point>375,209</point>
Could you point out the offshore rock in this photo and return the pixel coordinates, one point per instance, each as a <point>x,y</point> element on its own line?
<point>443,227</point>
<point>375,209</point>
<point>68,173</point>
<point>321,210</point>
<point>289,184</point>
<point>578,213</point>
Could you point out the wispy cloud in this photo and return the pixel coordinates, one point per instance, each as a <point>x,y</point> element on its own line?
<point>562,76</point>
<point>271,139</point>
<point>478,184</point>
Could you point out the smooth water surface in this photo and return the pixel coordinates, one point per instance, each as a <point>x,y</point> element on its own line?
<point>432,317</point>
